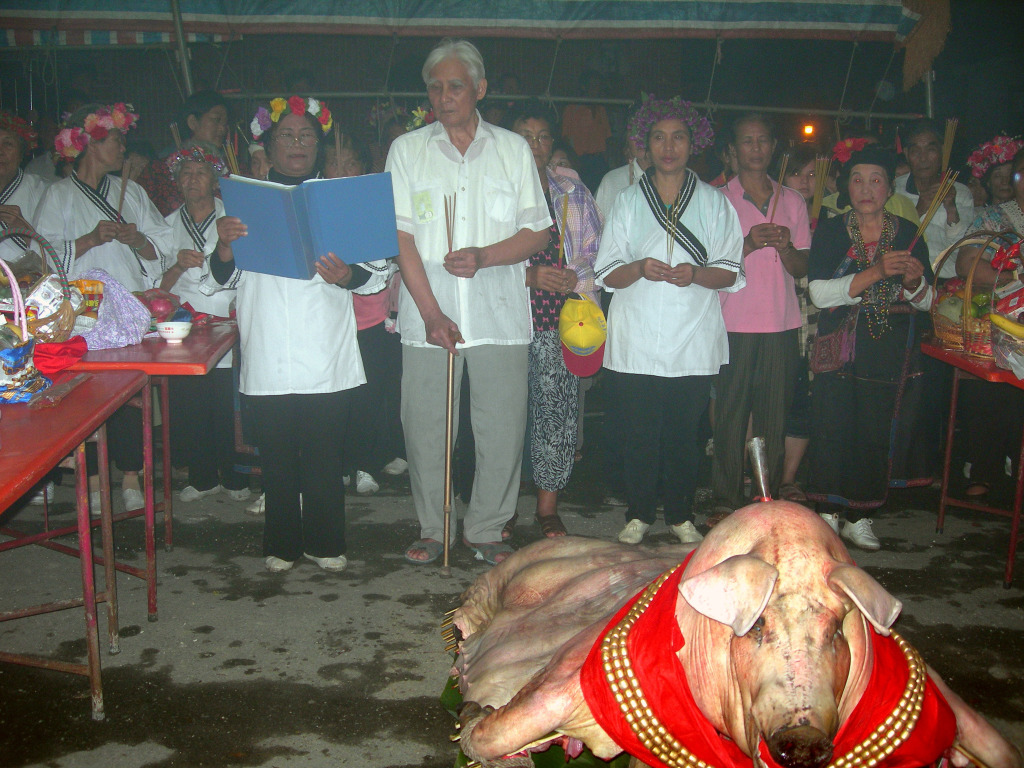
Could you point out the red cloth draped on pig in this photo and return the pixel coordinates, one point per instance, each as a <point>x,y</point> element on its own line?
<point>653,643</point>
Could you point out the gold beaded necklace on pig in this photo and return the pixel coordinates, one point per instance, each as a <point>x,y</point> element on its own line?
<point>886,292</point>
<point>654,735</point>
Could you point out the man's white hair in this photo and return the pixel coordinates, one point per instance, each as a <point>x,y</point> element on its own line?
<point>463,51</point>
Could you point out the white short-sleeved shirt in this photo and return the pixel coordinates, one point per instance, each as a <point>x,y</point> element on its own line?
<point>659,329</point>
<point>196,284</point>
<point>614,182</point>
<point>70,209</point>
<point>496,192</point>
<point>939,235</point>
<point>24,191</point>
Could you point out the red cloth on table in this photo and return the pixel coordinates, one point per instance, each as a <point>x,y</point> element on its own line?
<point>55,357</point>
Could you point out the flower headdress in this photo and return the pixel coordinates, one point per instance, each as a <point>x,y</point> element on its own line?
<point>843,149</point>
<point>14,124</point>
<point>72,141</point>
<point>295,105</point>
<point>418,118</point>
<point>652,110</point>
<point>1002,149</point>
<point>196,155</point>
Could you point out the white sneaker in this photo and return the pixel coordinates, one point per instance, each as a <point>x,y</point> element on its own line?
<point>832,520</point>
<point>277,565</point>
<point>189,493</point>
<point>258,507</point>
<point>328,563</point>
<point>396,466</point>
<point>43,495</point>
<point>365,484</point>
<point>242,494</point>
<point>133,499</point>
<point>634,531</point>
<point>861,535</point>
<point>686,533</point>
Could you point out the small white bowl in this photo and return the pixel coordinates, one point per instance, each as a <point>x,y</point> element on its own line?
<point>173,333</point>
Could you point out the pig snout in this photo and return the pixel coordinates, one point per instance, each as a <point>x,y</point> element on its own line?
<point>801,746</point>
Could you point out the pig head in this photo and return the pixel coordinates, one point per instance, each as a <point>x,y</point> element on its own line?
<point>776,625</point>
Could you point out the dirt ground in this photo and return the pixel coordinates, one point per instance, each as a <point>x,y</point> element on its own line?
<point>308,668</point>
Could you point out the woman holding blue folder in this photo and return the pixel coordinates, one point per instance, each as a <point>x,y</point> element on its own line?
<point>299,358</point>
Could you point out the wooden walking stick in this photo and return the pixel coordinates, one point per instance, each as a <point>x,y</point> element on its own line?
<point>446,569</point>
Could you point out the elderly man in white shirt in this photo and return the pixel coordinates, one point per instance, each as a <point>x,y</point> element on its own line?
<point>472,294</point>
<point>923,149</point>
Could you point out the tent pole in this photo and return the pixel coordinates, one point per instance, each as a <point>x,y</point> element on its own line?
<point>929,93</point>
<point>179,32</point>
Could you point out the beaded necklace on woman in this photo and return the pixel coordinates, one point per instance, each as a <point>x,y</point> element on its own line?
<point>886,292</point>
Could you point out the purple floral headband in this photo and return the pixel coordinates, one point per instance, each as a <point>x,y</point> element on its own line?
<point>653,110</point>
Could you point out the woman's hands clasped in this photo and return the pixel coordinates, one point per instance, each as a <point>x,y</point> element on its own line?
<point>904,264</point>
<point>551,279</point>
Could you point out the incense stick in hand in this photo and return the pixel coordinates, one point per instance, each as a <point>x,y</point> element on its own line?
<point>945,184</point>
<point>126,172</point>
<point>449,218</point>
<point>782,177</point>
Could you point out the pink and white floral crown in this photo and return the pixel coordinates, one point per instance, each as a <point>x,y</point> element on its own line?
<point>653,110</point>
<point>1002,149</point>
<point>14,124</point>
<point>72,141</point>
<point>196,155</point>
<point>296,105</point>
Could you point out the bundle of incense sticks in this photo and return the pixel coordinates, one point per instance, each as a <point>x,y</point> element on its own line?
<point>176,136</point>
<point>230,158</point>
<point>782,179</point>
<point>947,141</point>
<point>449,218</point>
<point>565,224</point>
<point>945,184</point>
<point>673,225</point>
<point>337,150</point>
<point>126,173</point>
<point>822,169</point>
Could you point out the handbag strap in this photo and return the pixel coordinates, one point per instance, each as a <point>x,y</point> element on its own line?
<point>18,300</point>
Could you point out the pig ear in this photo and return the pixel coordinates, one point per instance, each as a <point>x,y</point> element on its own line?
<point>877,605</point>
<point>734,592</point>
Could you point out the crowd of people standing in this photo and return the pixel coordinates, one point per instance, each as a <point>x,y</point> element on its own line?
<point>735,305</point>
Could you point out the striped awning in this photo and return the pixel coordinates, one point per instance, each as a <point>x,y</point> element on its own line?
<point>149,22</point>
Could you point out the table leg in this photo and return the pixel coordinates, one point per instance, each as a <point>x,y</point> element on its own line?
<point>165,436</point>
<point>948,453</point>
<point>107,537</point>
<point>92,640</point>
<point>1018,498</point>
<point>147,462</point>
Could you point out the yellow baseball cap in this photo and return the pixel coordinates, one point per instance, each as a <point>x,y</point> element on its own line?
<point>583,331</point>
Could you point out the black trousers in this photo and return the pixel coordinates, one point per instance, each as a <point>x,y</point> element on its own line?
<point>301,440</point>
<point>203,416</point>
<point>660,419</point>
<point>124,441</point>
<point>375,430</point>
<point>759,381</point>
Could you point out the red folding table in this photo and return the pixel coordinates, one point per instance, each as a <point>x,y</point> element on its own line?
<point>196,355</point>
<point>32,442</point>
<point>965,366</point>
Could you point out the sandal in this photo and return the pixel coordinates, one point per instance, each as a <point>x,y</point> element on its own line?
<point>491,552</point>
<point>434,549</point>
<point>792,492</point>
<point>510,526</point>
<point>718,515</point>
<point>552,526</point>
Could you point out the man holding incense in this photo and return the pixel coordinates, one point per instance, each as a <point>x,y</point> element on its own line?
<point>470,211</point>
<point>763,318</point>
<point>951,216</point>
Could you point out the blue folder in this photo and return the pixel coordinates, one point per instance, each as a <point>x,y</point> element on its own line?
<point>290,228</point>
